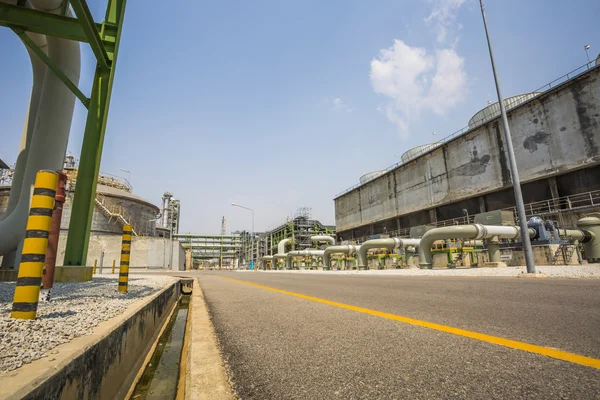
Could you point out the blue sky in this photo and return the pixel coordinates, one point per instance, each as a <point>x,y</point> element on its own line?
<point>281,104</point>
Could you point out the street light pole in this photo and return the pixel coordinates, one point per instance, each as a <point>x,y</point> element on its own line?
<point>587,47</point>
<point>252,234</point>
<point>528,252</point>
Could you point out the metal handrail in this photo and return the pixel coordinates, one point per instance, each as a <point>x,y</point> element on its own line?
<point>542,208</point>
<point>511,104</point>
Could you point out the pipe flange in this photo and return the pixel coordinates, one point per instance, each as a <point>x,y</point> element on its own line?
<point>481,231</point>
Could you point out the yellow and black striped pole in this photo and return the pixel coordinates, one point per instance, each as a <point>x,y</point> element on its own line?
<point>33,256</point>
<point>125,252</point>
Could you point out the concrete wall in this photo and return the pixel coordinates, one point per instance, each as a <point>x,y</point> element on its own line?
<point>553,134</point>
<point>103,365</point>
<point>146,252</point>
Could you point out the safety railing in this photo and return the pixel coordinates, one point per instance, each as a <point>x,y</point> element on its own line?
<point>576,202</point>
<point>117,212</point>
<point>510,104</point>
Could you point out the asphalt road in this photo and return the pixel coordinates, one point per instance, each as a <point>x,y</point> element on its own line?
<point>278,346</point>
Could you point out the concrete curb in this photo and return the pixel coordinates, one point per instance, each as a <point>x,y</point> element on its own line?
<point>207,376</point>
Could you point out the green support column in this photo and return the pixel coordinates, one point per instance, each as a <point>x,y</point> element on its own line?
<point>93,141</point>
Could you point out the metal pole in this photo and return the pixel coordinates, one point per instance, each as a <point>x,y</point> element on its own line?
<point>101,262</point>
<point>252,241</point>
<point>29,279</point>
<point>587,47</point>
<point>511,157</point>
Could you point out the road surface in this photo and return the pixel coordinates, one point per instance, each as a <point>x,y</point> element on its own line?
<point>394,337</point>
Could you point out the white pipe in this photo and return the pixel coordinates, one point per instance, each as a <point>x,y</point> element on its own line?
<point>51,130</point>
<point>388,243</point>
<point>473,232</point>
<point>301,253</point>
<point>281,246</point>
<point>39,72</point>
<point>345,249</point>
<point>323,238</point>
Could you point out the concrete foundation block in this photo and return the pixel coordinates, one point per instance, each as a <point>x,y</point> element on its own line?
<point>73,274</point>
<point>531,276</point>
<point>491,264</point>
<point>8,275</point>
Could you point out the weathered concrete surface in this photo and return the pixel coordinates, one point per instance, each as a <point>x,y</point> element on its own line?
<point>146,252</point>
<point>555,133</point>
<point>100,366</point>
<point>73,274</point>
<point>207,377</point>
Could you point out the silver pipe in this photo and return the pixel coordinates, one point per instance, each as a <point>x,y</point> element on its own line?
<point>388,243</point>
<point>48,143</point>
<point>281,246</point>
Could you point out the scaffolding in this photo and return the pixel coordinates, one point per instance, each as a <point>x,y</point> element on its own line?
<point>299,228</point>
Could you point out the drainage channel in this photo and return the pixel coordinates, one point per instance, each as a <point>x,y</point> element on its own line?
<point>161,375</point>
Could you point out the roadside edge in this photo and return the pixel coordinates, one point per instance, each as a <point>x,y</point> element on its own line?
<point>208,378</point>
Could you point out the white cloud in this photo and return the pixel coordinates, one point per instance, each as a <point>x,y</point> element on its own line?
<point>415,81</point>
<point>339,105</point>
<point>443,17</point>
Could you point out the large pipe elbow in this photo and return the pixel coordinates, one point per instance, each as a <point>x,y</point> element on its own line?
<point>281,245</point>
<point>344,249</point>
<point>323,238</point>
<point>388,243</point>
<point>472,232</point>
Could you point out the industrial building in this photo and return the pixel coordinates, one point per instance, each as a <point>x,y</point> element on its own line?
<point>298,228</point>
<point>116,205</point>
<point>556,136</point>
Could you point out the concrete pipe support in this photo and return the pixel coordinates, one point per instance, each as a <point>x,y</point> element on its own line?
<point>390,244</point>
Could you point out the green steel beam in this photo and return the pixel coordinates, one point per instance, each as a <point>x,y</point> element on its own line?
<point>59,73</point>
<point>91,32</point>
<point>42,22</point>
<point>93,140</point>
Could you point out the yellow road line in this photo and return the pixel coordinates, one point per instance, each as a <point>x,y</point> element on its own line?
<point>513,344</point>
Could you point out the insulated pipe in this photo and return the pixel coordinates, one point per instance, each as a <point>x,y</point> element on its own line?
<point>281,246</point>
<point>574,234</point>
<point>301,253</point>
<point>323,238</point>
<point>288,258</point>
<point>474,231</point>
<point>48,143</point>
<point>39,72</point>
<point>389,243</point>
<point>345,249</point>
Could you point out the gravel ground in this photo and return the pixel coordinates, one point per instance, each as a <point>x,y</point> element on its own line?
<point>588,271</point>
<point>75,309</point>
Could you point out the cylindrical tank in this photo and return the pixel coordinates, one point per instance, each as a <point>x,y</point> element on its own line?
<point>417,151</point>
<point>591,247</point>
<point>370,176</point>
